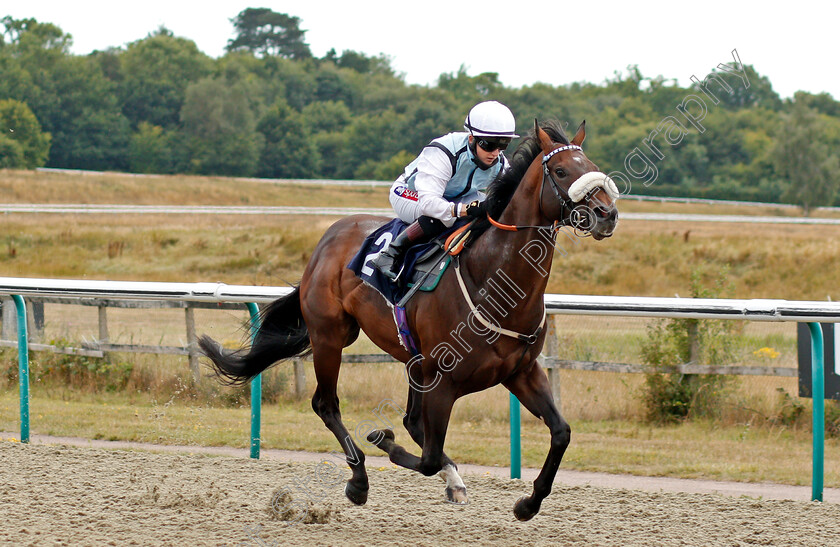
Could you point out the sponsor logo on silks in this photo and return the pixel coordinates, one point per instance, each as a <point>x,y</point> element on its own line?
<point>406,193</point>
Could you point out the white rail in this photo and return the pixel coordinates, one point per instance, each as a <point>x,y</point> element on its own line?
<point>100,209</point>
<point>138,290</point>
<point>695,308</point>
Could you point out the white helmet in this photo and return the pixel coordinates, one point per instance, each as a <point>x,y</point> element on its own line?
<point>491,119</point>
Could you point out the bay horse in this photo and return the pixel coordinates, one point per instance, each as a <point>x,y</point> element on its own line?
<point>501,273</point>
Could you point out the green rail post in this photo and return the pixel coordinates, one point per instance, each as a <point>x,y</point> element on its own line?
<point>515,439</point>
<point>818,399</point>
<point>256,389</point>
<point>23,367</point>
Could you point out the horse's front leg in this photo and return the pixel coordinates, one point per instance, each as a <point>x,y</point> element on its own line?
<point>456,490</point>
<point>532,389</point>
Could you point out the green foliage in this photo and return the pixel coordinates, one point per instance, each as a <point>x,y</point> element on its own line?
<point>361,63</point>
<point>80,372</point>
<point>154,75</point>
<point>789,410</point>
<point>288,151</point>
<point>11,154</point>
<point>263,31</point>
<point>832,419</point>
<point>325,116</point>
<point>149,150</point>
<point>803,156</point>
<point>670,396</point>
<point>387,170</point>
<point>18,123</point>
<point>221,129</point>
<point>78,106</point>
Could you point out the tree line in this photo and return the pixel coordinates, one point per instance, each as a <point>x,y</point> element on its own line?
<point>269,108</point>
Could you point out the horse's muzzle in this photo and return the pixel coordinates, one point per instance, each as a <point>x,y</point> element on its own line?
<point>600,221</point>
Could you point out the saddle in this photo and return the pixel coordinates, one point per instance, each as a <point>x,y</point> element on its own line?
<point>424,263</point>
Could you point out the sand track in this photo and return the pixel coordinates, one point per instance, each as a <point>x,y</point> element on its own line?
<point>91,496</point>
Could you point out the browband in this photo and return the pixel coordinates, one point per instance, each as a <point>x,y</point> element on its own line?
<point>561,149</point>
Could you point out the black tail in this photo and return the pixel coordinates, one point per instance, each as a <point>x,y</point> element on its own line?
<point>282,335</point>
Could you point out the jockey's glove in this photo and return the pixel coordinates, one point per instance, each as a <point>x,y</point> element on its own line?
<point>476,209</point>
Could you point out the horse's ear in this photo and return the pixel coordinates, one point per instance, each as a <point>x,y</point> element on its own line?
<point>581,134</point>
<point>545,141</point>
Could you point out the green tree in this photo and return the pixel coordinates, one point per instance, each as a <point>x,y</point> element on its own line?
<point>155,74</point>
<point>16,82</point>
<point>289,152</point>
<point>150,151</point>
<point>266,32</point>
<point>823,103</point>
<point>385,170</point>
<point>470,89</point>
<point>359,62</point>
<point>802,157</point>
<point>297,84</point>
<point>18,123</point>
<point>423,121</point>
<point>325,116</point>
<point>374,138</point>
<point>11,153</point>
<point>333,148</point>
<point>29,37</point>
<point>759,93</point>
<point>220,127</point>
<point>84,117</point>
<point>29,54</point>
<point>332,85</point>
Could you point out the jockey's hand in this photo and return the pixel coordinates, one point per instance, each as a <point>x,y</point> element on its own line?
<point>476,209</point>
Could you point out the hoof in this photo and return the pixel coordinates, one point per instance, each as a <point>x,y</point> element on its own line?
<point>457,495</point>
<point>378,437</point>
<point>521,510</point>
<point>356,495</point>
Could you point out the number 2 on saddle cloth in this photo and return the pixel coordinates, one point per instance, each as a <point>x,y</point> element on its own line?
<point>424,264</point>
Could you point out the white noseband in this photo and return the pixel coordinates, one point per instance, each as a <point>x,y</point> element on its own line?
<point>590,181</point>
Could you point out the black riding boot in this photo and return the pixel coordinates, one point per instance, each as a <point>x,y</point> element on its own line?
<point>395,252</point>
<point>421,230</point>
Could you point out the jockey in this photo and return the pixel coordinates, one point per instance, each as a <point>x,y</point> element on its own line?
<point>448,179</point>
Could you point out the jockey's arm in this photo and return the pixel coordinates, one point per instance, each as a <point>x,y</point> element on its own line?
<point>433,173</point>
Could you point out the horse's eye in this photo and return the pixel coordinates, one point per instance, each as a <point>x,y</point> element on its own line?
<point>559,172</point>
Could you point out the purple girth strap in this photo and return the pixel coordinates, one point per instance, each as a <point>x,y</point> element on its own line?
<point>405,333</point>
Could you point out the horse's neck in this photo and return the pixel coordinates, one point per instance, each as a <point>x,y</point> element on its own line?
<point>516,263</point>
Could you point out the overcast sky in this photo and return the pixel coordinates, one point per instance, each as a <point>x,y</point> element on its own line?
<point>794,44</point>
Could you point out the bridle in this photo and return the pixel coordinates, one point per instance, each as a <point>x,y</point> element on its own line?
<point>575,219</point>
<point>563,196</point>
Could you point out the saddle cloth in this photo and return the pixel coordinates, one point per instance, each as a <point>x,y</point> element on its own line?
<point>418,260</point>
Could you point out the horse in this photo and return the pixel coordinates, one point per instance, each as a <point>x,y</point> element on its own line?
<point>502,272</point>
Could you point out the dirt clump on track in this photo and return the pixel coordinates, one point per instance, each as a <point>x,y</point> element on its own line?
<point>57,495</point>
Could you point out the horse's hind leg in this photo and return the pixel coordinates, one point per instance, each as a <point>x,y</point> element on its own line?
<point>456,490</point>
<point>532,389</point>
<point>437,408</point>
<point>326,357</point>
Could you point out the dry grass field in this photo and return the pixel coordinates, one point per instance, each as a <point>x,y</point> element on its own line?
<point>644,258</point>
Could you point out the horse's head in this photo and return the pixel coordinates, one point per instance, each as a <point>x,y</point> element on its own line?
<point>573,190</point>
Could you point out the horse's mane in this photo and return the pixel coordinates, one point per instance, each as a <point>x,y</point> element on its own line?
<point>501,190</point>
